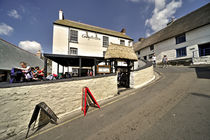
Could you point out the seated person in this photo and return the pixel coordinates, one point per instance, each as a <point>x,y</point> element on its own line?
<point>16,75</point>
<point>38,73</point>
<point>26,70</point>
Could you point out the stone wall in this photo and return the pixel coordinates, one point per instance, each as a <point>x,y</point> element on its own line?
<point>17,103</point>
<point>201,60</point>
<point>142,77</point>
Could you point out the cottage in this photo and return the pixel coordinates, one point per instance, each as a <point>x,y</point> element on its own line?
<point>184,39</point>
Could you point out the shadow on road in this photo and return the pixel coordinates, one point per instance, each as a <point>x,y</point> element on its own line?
<point>202,71</point>
<point>200,95</point>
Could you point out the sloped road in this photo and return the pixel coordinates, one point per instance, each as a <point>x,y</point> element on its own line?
<point>176,107</point>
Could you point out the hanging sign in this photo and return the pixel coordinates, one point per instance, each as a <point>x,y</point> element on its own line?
<point>86,94</point>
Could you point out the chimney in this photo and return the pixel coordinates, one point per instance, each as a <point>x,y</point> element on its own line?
<point>61,15</point>
<point>140,39</point>
<point>171,21</point>
<point>39,54</point>
<point>123,31</point>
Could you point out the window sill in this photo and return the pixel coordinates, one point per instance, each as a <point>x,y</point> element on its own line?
<point>74,42</point>
<point>180,56</point>
<point>180,43</point>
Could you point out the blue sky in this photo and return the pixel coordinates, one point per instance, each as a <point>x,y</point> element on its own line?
<point>29,23</point>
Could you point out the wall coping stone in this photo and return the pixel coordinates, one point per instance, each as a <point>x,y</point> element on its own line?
<point>8,85</point>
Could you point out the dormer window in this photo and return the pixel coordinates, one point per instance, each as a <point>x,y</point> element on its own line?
<point>181,38</point>
<point>151,47</point>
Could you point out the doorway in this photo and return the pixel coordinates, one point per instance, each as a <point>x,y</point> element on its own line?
<point>204,49</point>
<point>123,77</point>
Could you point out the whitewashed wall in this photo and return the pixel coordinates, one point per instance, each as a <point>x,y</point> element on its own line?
<point>168,47</point>
<point>85,46</point>
<point>17,103</point>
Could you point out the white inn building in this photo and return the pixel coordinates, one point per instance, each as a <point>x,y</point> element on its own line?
<point>184,39</point>
<point>75,38</point>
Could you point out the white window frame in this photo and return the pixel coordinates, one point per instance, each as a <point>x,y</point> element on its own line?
<point>105,41</point>
<point>71,51</point>
<point>73,36</point>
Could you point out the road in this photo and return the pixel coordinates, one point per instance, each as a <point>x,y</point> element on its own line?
<point>176,107</point>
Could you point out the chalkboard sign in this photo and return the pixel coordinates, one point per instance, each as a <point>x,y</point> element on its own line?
<point>103,68</point>
<point>47,110</point>
<point>85,92</point>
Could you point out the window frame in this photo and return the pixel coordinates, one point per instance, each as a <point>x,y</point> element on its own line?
<point>104,52</point>
<point>145,57</point>
<point>71,48</point>
<point>121,40</point>
<point>151,48</point>
<point>181,53</point>
<point>105,43</point>
<point>73,38</point>
<point>180,38</point>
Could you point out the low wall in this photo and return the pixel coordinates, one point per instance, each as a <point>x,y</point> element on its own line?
<point>17,103</point>
<point>142,77</point>
<point>201,60</point>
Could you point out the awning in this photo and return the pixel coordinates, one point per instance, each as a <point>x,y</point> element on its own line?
<point>74,60</point>
<point>120,52</point>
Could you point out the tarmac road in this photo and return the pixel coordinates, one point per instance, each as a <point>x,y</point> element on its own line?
<point>176,107</point>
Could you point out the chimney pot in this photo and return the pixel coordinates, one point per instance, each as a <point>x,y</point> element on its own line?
<point>140,39</point>
<point>123,31</point>
<point>61,16</point>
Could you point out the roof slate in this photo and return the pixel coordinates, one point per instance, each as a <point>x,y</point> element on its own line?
<point>92,28</point>
<point>11,56</point>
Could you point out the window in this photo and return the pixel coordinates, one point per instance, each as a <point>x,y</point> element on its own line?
<point>122,42</point>
<point>129,43</point>
<point>73,51</point>
<point>74,36</point>
<point>104,52</point>
<point>138,52</point>
<point>151,47</point>
<point>150,56</point>
<point>181,52</point>
<point>145,57</point>
<point>180,39</point>
<point>105,41</point>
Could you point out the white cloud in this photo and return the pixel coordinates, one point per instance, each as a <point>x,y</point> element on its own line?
<point>5,29</point>
<point>161,14</point>
<point>13,13</point>
<point>31,46</point>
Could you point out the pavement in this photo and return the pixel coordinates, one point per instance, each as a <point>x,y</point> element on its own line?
<point>174,107</point>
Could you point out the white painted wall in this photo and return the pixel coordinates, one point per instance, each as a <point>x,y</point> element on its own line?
<point>168,47</point>
<point>85,46</point>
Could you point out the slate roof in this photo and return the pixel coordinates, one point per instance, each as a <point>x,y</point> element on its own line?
<point>82,26</point>
<point>11,56</point>
<point>191,21</point>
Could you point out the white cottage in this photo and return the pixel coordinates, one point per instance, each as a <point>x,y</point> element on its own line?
<point>184,39</point>
<point>79,39</point>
